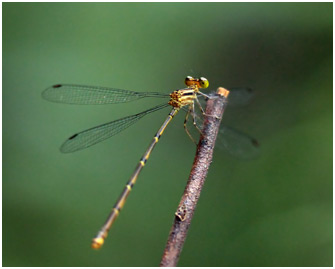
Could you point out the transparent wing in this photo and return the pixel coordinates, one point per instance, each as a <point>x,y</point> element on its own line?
<point>238,144</point>
<point>240,96</point>
<point>99,133</point>
<point>92,95</point>
<point>237,96</point>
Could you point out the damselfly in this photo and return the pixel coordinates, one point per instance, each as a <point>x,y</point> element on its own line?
<point>184,99</point>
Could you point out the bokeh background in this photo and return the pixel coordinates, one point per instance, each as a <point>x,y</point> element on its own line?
<point>274,210</point>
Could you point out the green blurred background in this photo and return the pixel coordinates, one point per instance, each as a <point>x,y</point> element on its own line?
<point>275,210</point>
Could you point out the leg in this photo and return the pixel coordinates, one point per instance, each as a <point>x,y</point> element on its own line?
<point>194,116</point>
<point>201,109</point>
<point>185,126</point>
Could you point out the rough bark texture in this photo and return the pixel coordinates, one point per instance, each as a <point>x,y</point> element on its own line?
<point>183,216</point>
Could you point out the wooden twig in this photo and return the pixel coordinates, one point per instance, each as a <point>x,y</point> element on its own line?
<point>183,216</point>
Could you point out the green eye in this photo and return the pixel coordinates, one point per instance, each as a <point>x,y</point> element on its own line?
<point>204,83</point>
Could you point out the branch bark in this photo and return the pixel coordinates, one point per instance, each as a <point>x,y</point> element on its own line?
<point>183,216</point>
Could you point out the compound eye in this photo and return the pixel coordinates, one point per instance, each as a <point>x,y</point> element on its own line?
<point>189,80</point>
<point>204,83</point>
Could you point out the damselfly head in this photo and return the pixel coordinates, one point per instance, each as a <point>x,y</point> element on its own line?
<point>197,82</point>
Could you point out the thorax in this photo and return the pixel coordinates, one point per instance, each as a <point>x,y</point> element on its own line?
<point>180,98</point>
